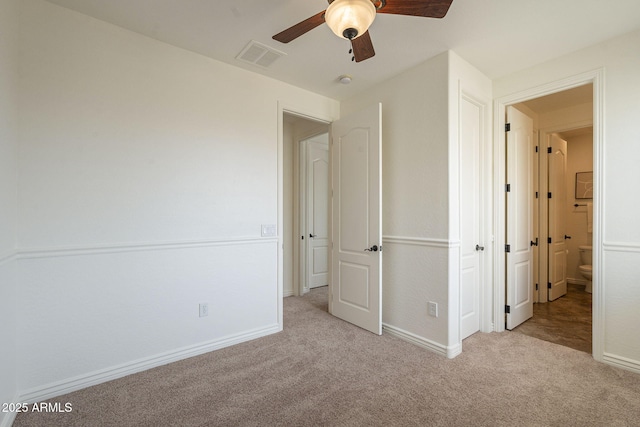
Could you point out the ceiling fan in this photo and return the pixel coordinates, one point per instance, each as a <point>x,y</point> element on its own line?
<point>350,19</point>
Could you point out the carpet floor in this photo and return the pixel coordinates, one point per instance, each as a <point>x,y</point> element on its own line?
<point>323,371</point>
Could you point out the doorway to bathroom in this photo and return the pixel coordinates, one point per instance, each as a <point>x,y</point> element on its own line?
<point>561,217</point>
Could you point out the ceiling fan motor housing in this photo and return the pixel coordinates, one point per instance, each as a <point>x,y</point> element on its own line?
<point>350,33</point>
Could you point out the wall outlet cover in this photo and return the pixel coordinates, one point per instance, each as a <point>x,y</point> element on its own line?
<point>433,309</point>
<point>204,309</point>
<point>268,230</point>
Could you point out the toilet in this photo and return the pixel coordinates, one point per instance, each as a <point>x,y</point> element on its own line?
<point>585,268</point>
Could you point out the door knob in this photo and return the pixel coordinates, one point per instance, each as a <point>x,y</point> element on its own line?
<point>373,248</point>
<point>479,248</point>
<point>312,235</point>
<point>534,243</point>
<point>567,237</point>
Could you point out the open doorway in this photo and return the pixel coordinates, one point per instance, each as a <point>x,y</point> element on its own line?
<point>302,139</point>
<point>562,216</point>
<point>355,285</point>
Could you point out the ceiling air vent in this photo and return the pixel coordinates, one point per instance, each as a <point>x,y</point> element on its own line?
<point>258,54</point>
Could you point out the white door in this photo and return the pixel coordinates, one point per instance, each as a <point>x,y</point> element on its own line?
<point>557,284</point>
<point>471,246</point>
<point>356,280</point>
<point>519,194</point>
<point>317,214</point>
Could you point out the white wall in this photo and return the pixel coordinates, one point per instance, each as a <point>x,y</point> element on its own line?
<point>620,251</point>
<point>8,201</point>
<point>146,172</point>
<point>420,195</point>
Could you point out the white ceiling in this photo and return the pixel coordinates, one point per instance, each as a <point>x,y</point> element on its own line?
<point>497,36</point>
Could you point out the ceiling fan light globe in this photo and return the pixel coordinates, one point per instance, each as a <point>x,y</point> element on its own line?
<point>342,15</point>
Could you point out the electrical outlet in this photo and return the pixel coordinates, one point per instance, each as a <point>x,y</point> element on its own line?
<point>204,309</point>
<point>433,308</point>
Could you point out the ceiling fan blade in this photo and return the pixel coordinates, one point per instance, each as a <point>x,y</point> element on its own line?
<point>425,8</point>
<point>362,47</point>
<point>300,28</point>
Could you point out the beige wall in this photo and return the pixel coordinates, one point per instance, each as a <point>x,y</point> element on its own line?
<point>579,159</point>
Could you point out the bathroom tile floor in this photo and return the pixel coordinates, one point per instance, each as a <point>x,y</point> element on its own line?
<point>565,321</point>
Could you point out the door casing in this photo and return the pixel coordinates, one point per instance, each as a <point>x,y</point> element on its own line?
<point>595,77</point>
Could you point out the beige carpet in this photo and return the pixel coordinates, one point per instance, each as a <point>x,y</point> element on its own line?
<point>322,371</point>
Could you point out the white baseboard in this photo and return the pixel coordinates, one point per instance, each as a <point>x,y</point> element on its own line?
<point>443,350</point>
<point>59,388</point>
<point>9,417</point>
<point>575,281</point>
<point>621,362</point>
<point>454,350</point>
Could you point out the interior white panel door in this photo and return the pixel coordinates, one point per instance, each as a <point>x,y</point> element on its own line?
<point>471,246</point>
<point>317,214</point>
<point>520,150</point>
<point>356,285</point>
<point>557,285</point>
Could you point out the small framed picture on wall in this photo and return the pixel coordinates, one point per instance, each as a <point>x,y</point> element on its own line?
<point>584,185</point>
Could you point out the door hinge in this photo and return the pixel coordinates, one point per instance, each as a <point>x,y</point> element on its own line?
<point>549,240</point>
<point>549,150</point>
<point>536,286</point>
<point>507,248</point>
<point>549,285</point>
<point>507,309</point>
<point>537,195</point>
<point>507,188</point>
<point>507,127</point>
<point>549,195</point>
<point>536,148</point>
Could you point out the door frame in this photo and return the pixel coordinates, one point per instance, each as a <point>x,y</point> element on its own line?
<point>595,77</point>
